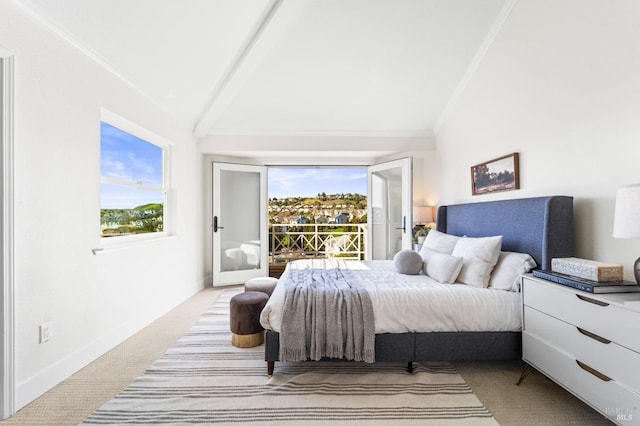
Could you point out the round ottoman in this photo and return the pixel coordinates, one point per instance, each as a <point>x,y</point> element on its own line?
<point>263,284</point>
<point>244,319</point>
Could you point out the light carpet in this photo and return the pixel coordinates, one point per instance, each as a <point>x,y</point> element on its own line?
<point>202,379</point>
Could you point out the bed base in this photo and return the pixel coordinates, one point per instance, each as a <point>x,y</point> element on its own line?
<point>415,347</point>
<point>271,366</point>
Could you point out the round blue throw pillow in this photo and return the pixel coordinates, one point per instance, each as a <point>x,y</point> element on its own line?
<point>408,262</point>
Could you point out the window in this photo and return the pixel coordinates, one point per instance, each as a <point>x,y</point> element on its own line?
<point>133,174</point>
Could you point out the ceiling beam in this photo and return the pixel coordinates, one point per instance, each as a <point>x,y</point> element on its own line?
<point>487,42</point>
<point>212,109</point>
<point>258,43</point>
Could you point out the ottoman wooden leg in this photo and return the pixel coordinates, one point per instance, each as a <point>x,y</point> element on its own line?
<point>247,340</point>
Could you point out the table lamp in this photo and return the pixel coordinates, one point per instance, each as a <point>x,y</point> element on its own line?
<point>422,215</point>
<point>626,223</point>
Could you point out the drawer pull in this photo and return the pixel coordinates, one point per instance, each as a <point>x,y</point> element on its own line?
<point>594,336</point>
<point>594,301</point>
<point>596,373</point>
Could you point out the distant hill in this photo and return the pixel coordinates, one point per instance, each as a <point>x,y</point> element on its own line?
<point>151,206</point>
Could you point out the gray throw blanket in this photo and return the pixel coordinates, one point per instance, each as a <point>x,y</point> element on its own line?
<point>326,315</point>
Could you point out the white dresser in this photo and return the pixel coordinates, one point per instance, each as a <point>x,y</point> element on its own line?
<point>587,343</point>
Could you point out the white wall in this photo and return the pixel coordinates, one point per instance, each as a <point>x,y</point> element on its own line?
<point>561,86</point>
<point>93,301</point>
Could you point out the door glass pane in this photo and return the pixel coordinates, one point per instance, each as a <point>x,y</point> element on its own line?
<point>394,180</point>
<point>386,203</point>
<point>239,220</point>
<point>378,222</point>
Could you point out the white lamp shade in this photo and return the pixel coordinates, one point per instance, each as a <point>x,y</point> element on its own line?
<point>626,223</point>
<point>422,214</point>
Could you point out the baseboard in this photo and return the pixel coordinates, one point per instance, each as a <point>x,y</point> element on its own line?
<point>35,386</point>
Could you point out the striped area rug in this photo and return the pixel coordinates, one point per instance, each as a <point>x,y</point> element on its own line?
<point>202,379</point>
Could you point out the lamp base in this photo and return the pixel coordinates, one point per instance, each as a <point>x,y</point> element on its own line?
<point>636,270</point>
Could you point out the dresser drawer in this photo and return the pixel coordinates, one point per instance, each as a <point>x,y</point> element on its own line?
<point>616,362</point>
<point>584,310</point>
<point>612,399</point>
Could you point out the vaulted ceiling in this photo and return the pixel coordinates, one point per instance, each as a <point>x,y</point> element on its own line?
<point>340,68</point>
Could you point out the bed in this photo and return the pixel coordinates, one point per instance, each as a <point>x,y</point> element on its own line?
<point>541,227</point>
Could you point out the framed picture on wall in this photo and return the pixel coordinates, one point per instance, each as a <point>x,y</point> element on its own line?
<point>500,174</point>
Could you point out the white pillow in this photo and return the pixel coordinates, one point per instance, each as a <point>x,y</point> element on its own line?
<point>442,267</point>
<point>440,242</point>
<point>506,274</point>
<point>480,256</point>
<point>407,262</point>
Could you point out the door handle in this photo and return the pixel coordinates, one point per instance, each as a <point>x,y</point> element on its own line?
<point>404,224</point>
<point>215,224</point>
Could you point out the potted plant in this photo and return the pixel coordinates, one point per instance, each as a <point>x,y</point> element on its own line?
<point>421,234</point>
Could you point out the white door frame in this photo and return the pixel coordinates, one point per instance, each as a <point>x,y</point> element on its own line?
<point>7,302</point>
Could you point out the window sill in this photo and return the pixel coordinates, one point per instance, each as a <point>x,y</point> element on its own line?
<point>125,245</point>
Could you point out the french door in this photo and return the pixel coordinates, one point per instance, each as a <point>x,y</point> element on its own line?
<point>240,228</point>
<point>390,199</point>
<point>239,223</point>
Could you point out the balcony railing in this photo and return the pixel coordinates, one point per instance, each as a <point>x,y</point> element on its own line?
<point>317,240</point>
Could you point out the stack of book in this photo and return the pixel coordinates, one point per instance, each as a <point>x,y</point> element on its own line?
<point>587,285</point>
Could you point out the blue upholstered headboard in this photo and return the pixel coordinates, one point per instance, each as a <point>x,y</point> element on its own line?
<point>540,226</point>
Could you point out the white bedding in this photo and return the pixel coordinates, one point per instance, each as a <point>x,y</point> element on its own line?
<point>413,303</point>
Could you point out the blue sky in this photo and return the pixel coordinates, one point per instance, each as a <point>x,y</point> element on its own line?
<point>126,157</point>
<point>310,181</point>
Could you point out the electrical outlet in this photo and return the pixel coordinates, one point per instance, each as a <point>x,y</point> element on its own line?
<point>45,332</point>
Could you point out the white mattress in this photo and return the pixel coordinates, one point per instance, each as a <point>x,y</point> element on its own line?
<point>413,303</point>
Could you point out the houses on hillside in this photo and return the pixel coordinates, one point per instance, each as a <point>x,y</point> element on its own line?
<point>301,212</point>
<point>338,217</point>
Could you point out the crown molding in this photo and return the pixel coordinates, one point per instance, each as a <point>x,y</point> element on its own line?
<point>55,27</point>
<point>42,18</point>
